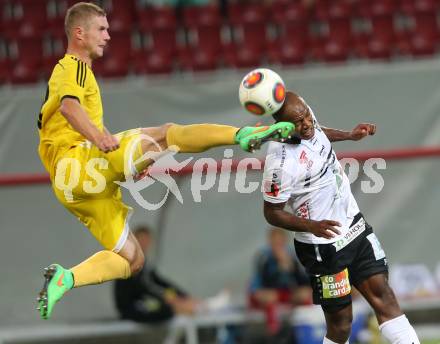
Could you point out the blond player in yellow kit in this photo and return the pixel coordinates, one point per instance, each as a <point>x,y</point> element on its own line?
<point>84,159</point>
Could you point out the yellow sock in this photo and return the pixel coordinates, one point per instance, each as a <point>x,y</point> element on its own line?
<point>196,138</point>
<point>101,267</point>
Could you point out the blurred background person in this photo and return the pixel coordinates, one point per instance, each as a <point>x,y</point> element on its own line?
<point>279,281</point>
<point>148,297</point>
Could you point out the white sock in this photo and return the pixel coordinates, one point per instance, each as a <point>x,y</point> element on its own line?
<point>328,341</point>
<point>399,331</point>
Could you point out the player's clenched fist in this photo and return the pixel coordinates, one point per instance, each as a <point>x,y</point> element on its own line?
<point>362,130</point>
<point>324,228</point>
<point>107,143</point>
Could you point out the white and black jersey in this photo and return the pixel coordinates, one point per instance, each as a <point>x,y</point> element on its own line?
<point>309,177</point>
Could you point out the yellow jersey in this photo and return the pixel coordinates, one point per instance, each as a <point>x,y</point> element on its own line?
<point>71,78</point>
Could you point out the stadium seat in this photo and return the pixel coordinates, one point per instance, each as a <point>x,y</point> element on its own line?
<point>292,24</point>
<point>423,14</point>
<point>27,19</point>
<point>114,66</point>
<point>380,40</point>
<point>335,18</point>
<point>24,73</point>
<point>28,51</point>
<point>48,64</point>
<point>336,50</point>
<point>422,35</point>
<point>241,57</point>
<point>248,22</point>
<point>292,20</point>
<point>120,14</point>
<point>360,45</point>
<point>379,48</point>
<point>316,48</point>
<point>5,70</point>
<point>159,25</point>
<point>422,44</point>
<point>288,53</point>
<point>198,59</point>
<point>339,21</point>
<point>152,62</point>
<point>117,56</point>
<point>119,45</point>
<point>203,25</point>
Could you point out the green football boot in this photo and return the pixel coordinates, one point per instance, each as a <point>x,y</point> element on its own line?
<point>57,281</point>
<point>251,138</point>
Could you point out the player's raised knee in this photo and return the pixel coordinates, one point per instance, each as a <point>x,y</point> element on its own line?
<point>166,126</point>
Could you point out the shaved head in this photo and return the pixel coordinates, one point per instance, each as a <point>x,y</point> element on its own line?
<point>295,110</point>
<point>294,106</point>
<point>81,14</point>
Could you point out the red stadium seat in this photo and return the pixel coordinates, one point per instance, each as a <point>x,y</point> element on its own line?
<point>380,41</point>
<point>56,11</point>
<point>159,24</point>
<point>292,20</point>
<point>316,48</point>
<point>153,62</point>
<point>120,14</point>
<point>335,17</point>
<point>29,51</point>
<point>203,24</point>
<point>24,73</point>
<point>241,57</point>
<point>336,50</point>
<point>288,53</point>
<point>423,45</point>
<point>380,14</point>
<point>5,70</point>
<point>421,36</point>
<point>423,16</point>
<point>379,48</point>
<point>360,45</point>
<point>117,56</point>
<point>114,66</point>
<point>198,59</point>
<point>48,65</point>
<point>27,19</point>
<point>248,22</point>
<point>119,45</point>
<point>339,21</point>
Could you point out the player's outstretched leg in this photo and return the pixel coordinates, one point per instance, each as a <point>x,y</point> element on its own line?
<point>200,137</point>
<point>57,282</point>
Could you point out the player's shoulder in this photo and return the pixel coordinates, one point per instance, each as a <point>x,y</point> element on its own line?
<point>72,67</point>
<point>282,150</point>
<point>68,61</point>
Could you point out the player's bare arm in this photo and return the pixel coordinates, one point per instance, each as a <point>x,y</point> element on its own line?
<point>277,216</point>
<point>357,133</point>
<point>77,117</point>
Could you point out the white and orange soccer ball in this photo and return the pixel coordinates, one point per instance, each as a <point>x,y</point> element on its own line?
<point>262,92</point>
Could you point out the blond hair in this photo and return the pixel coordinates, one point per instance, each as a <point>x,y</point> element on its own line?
<point>81,13</point>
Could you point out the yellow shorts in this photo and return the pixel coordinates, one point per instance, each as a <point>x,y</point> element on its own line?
<point>84,182</point>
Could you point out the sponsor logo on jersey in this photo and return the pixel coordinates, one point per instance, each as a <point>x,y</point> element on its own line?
<point>304,160</point>
<point>303,210</point>
<point>272,187</point>
<point>335,286</point>
<point>353,233</point>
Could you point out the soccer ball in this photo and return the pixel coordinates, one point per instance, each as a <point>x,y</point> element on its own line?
<point>262,92</point>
